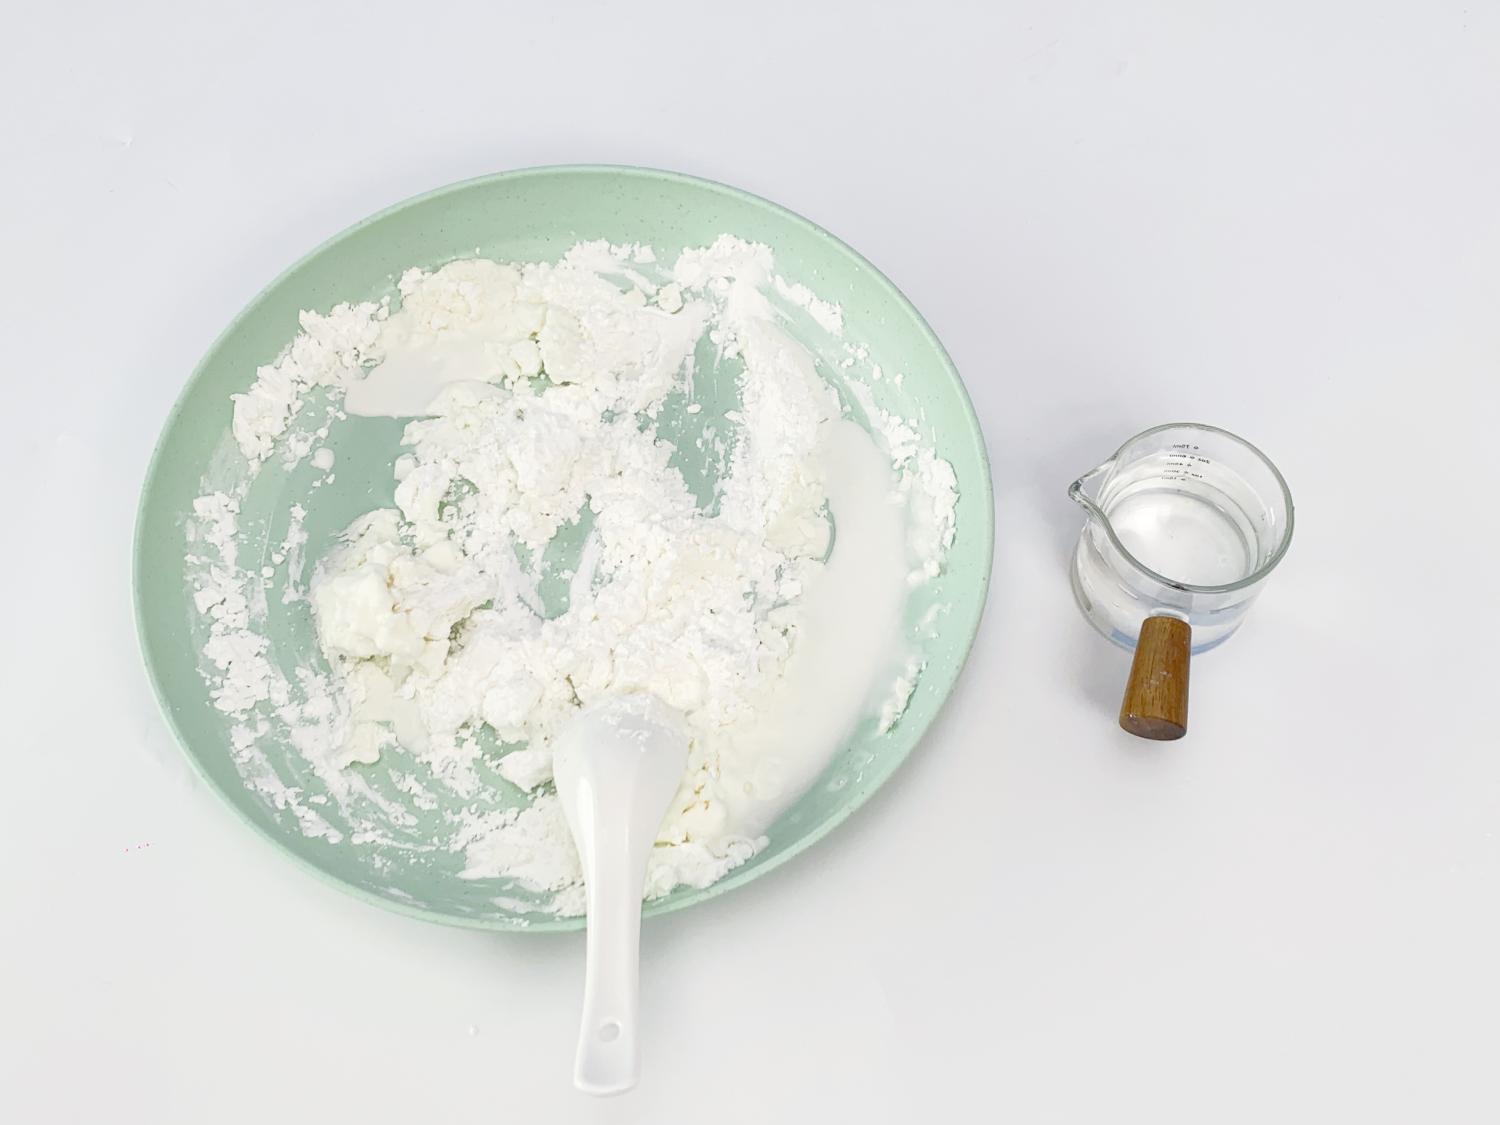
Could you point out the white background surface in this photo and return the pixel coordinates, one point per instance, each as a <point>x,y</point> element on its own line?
<point>1284,219</point>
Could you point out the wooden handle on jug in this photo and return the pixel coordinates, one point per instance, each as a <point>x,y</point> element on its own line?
<point>1156,695</point>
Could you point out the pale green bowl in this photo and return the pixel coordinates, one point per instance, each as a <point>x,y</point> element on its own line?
<point>530,215</point>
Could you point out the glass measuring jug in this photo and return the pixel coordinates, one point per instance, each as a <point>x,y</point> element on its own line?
<point>1186,521</point>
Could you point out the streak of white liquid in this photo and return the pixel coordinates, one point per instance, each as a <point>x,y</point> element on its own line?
<point>849,645</point>
<point>415,370</point>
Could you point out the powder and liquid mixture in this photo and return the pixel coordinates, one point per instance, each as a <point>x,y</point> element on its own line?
<point>619,477</point>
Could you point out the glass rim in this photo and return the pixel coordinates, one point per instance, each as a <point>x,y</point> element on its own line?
<point>1076,493</point>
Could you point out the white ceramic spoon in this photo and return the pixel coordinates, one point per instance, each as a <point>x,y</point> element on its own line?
<point>617,765</point>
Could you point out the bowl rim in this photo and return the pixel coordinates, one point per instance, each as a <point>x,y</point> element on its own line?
<point>740,876</point>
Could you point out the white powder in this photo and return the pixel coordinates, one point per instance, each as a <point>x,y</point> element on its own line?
<point>326,353</point>
<point>895,703</point>
<point>926,483</point>
<point>238,652</point>
<point>828,316</point>
<point>291,553</point>
<point>541,386</point>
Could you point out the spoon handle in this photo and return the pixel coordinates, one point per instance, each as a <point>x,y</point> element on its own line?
<point>1156,696</point>
<point>614,869</point>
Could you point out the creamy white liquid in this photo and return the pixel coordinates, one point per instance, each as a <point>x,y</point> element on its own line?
<point>851,639</point>
<point>413,373</point>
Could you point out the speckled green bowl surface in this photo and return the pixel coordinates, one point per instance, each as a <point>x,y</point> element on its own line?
<point>530,215</point>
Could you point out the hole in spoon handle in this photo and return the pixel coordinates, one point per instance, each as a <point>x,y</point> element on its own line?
<point>1156,695</point>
